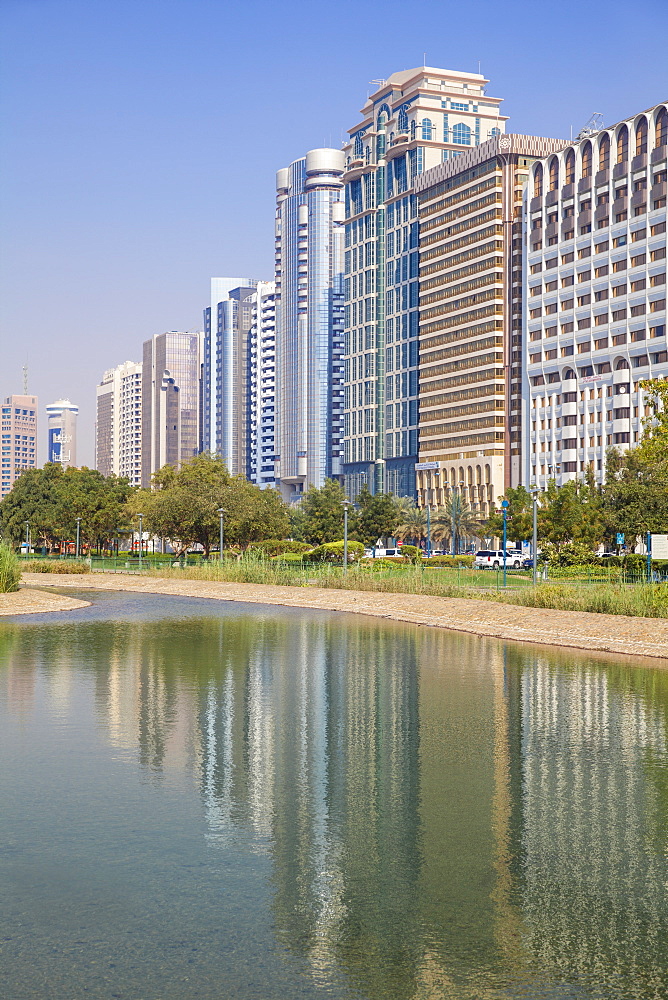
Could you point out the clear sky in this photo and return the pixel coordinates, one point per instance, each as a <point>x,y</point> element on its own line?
<point>140,140</point>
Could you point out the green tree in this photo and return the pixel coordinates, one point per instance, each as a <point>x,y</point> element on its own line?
<point>412,523</point>
<point>323,514</point>
<point>378,516</point>
<point>519,518</point>
<point>456,513</point>
<point>183,506</point>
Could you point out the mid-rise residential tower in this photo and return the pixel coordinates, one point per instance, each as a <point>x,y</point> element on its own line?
<point>118,427</point>
<point>309,321</point>
<point>19,439</point>
<point>261,408</point>
<point>415,120</point>
<point>595,298</point>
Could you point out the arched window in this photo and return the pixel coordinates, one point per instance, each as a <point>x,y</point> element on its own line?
<point>367,154</point>
<point>538,181</point>
<point>622,144</point>
<point>554,174</point>
<point>413,129</point>
<point>570,167</point>
<point>568,374</point>
<point>381,122</point>
<point>662,128</point>
<point>604,152</point>
<point>478,475</point>
<point>586,159</point>
<point>641,136</point>
<point>488,474</point>
<point>402,122</point>
<point>426,129</point>
<point>462,134</point>
<point>620,364</point>
<point>359,147</point>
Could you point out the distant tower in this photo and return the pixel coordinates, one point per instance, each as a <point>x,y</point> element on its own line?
<point>19,439</point>
<point>62,432</point>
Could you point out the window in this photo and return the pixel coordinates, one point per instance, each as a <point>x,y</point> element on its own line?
<point>657,279</point>
<point>402,121</point>
<point>460,133</point>
<point>538,182</point>
<point>623,144</point>
<point>638,235</point>
<point>641,136</point>
<point>601,247</point>
<point>586,159</point>
<point>554,173</point>
<point>662,128</point>
<point>604,152</point>
<point>569,167</point>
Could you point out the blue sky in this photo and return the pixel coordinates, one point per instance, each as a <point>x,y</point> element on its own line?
<point>140,140</point>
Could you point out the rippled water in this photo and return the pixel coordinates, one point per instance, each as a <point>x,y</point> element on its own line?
<point>202,800</point>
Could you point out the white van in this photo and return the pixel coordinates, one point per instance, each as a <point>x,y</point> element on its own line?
<point>493,559</point>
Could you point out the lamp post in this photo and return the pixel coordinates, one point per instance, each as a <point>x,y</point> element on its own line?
<point>221,516</point>
<point>141,537</point>
<point>504,506</point>
<point>534,541</point>
<point>78,534</point>
<point>27,537</point>
<point>346,504</point>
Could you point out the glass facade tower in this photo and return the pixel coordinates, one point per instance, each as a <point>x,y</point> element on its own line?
<point>309,321</point>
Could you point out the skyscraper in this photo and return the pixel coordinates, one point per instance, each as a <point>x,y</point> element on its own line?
<point>470,372</point>
<point>118,427</point>
<point>415,120</point>
<point>170,400</point>
<point>19,439</point>
<point>62,432</point>
<point>225,404</point>
<point>261,408</point>
<point>309,321</point>
<point>595,296</point>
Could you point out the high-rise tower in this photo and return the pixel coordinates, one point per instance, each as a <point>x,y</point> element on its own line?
<point>19,439</point>
<point>309,321</point>
<point>62,432</point>
<point>415,120</point>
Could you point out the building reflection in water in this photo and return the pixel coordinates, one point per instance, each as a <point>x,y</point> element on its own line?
<point>442,814</point>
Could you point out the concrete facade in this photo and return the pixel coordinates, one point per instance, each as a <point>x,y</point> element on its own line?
<point>118,425</point>
<point>18,428</point>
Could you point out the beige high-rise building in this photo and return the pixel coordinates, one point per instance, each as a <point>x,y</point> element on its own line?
<point>118,424</point>
<point>170,400</point>
<point>19,439</point>
<point>470,374</point>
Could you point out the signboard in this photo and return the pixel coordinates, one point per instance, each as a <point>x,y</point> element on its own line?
<point>592,378</point>
<point>659,546</point>
<point>620,538</point>
<point>424,466</point>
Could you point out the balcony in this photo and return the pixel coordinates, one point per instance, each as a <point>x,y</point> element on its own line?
<point>584,184</point>
<point>620,170</point>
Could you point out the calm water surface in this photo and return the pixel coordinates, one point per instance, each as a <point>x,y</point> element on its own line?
<point>202,800</point>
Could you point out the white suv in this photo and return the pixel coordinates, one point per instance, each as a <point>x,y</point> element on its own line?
<point>493,559</point>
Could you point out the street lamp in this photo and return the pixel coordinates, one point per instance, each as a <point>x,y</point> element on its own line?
<point>141,537</point>
<point>221,515</point>
<point>504,507</point>
<point>534,543</point>
<point>345,504</point>
<point>78,530</point>
<point>27,537</point>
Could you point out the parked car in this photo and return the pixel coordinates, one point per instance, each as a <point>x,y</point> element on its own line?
<point>493,559</point>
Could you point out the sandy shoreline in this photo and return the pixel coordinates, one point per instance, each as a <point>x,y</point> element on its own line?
<point>579,630</point>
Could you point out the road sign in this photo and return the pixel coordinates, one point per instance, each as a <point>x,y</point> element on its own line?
<point>620,538</point>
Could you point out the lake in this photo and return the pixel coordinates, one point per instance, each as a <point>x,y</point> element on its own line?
<point>215,800</point>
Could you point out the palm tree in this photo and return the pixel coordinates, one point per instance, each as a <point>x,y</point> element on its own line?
<point>455,515</point>
<point>413,524</point>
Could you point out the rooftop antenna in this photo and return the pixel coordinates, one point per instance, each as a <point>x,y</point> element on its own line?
<point>379,83</point>
<point>424,59</point>
<point>594,125</point>
<point>25,380</point>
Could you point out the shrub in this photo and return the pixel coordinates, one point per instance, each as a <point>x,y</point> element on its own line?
<point>10,569</point>
<point>451,561</point>
<point>635,562</point>
<point>62,566</point>
<point>411,553</point>
<point>278,546</point>
<point>289,557</point>
<point>333,552</point>
<point>611,561</point>
<point>380,562</point>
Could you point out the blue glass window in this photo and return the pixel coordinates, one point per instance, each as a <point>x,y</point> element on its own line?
<point>427,129</point>
<point>461,134</point>
<point>402,121</point>
<point>359,146</point>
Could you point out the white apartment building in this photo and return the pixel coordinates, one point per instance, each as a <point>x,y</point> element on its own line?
<point>118,425</point>
<point>595,295</point>
<point>61,427</point>
<point>261,404</point>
